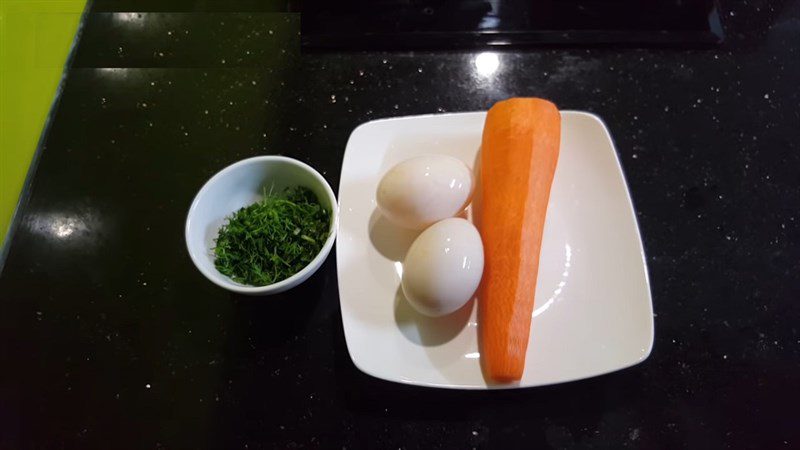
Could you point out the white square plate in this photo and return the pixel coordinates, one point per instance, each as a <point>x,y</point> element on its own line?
<point>593,312</point>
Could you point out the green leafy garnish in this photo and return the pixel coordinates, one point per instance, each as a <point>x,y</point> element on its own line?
<point>272,239</point>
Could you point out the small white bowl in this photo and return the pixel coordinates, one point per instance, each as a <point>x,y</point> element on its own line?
<point>241,184</point>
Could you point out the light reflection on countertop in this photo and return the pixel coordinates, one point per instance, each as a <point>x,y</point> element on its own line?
<point>486,63</point>
<point>64,227</point>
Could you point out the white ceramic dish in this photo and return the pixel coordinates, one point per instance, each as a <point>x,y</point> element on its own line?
<point>593,312</point>
<point>242,184</point>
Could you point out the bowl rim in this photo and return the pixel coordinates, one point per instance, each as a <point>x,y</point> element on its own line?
<point>224,281</point>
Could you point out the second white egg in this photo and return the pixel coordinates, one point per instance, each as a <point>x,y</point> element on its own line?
<point>443,267</point>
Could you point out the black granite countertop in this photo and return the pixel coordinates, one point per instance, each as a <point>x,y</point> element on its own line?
<point>112,339</point>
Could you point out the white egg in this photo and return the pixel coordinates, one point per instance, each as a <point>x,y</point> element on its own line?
<point>424,190</point>
<point>443,267</point>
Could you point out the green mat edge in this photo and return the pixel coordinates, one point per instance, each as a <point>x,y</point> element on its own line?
<point>24,194</point>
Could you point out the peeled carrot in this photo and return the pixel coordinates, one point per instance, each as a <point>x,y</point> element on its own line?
<point>518,159</point>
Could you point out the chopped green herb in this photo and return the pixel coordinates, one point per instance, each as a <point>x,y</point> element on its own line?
<point>272,239</point>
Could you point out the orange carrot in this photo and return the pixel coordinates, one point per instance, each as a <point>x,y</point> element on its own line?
<point>518,160</point>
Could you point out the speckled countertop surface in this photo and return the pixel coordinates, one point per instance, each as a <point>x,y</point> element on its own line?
<point>111,338</point>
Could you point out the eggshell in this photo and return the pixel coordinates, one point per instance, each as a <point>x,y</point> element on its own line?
<point>421,191</point>
<point>443,267</point>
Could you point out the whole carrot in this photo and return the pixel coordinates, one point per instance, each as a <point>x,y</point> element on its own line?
<point>519,154</point>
